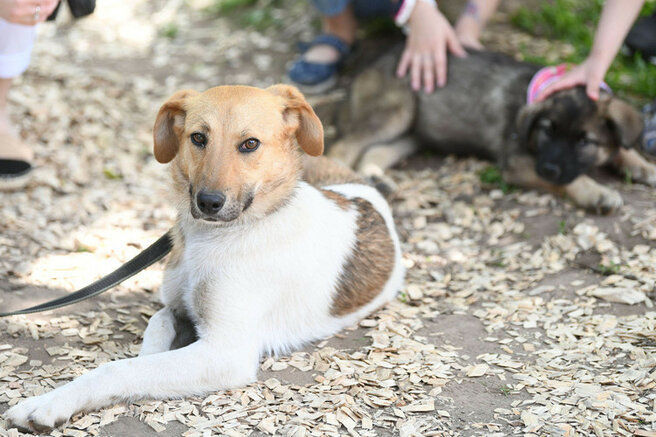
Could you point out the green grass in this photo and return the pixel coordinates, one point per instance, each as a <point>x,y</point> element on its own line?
<point>227,6</point>
<point>111,174</point>
<point>610,269</point>
<point>83,249</point>
<point>169,30</point>
<point>506,390</point>
<point>562,227</point>
<point>497,258</point>
<point>491,175</point>
<point>257,14</point>
<point>575,21</point>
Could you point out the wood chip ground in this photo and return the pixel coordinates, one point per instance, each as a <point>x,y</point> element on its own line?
<point>521,314</point>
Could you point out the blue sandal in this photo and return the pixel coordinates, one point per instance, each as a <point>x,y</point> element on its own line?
<point>313,77</point>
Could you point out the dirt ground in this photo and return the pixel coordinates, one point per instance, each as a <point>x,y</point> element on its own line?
<point>521,314</point>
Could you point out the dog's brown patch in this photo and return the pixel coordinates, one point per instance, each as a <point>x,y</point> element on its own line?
<point>369,267</point>
<point>340,200</point>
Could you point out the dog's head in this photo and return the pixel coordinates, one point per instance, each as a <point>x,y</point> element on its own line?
<point>569,133</point>
<point>236,150</point>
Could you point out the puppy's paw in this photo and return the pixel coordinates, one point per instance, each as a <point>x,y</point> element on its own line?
<point>605,200</point>
<point>587,193</point>
<point>635,167</point>
<point>645,174</point>
<point>39,413</point>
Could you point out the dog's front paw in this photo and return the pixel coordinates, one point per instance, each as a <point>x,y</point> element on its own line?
<point>604,200</point>
<point>644,175</point>
<point>39,413</point>
<point>635,167</point>
<point>587,193</point>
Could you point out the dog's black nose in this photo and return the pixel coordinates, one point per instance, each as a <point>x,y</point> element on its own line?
<point>550,171</point>
<point>210,202</point>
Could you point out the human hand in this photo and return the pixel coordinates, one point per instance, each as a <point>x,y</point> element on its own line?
<point>26,12</point>
<point>425,54</point>
<point>590,73</point>
<point>467,30</point>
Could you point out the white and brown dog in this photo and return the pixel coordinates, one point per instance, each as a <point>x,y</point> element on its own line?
<point>273,249</point>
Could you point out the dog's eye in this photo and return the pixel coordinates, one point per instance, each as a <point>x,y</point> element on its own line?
<point>199,139</point>
<point>250,145</point>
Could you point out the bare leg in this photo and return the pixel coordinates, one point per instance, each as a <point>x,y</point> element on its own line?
<point>343,25</point>
<point>473,20</point>
<point>11,147</point>
<point>631,163</point>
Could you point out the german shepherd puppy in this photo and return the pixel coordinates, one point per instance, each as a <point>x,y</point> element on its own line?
<point>482,111</point>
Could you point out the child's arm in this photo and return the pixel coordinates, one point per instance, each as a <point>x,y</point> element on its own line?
<point>473,20</point>
<point>615,22</point>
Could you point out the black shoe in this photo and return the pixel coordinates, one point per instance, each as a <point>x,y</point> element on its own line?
<point>14,174</point>
<point>642,38</point>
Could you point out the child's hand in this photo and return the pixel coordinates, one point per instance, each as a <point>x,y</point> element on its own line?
<point>425,52</point>
<point>590,73</point>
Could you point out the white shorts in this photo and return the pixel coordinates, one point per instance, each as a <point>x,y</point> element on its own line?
<point>16,43</point>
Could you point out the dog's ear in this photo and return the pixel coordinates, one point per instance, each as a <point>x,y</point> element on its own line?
<point>625,122</point>
<point>300,115</point>
<point>169,122</point>
<point>526,119</point>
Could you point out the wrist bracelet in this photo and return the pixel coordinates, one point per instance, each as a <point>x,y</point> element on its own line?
<point>403,15</point>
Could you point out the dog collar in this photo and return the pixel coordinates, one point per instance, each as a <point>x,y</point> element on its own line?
<point>548,75</point>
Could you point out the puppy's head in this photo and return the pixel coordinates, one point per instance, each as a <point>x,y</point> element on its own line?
<point>569,133</point>
<point>236,150</point>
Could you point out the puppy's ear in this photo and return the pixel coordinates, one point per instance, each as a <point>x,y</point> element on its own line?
<point>300,115</point>
<point>625,122</point>
<point>526,119</point>
<point>169,122</point>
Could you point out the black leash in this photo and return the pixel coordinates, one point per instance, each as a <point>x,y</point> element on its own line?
<point>147,257</point>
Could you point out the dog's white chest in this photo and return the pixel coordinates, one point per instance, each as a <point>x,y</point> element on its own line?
<point>267,274</point>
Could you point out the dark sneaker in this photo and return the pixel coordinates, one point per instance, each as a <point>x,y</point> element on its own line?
<point>642,38</point>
